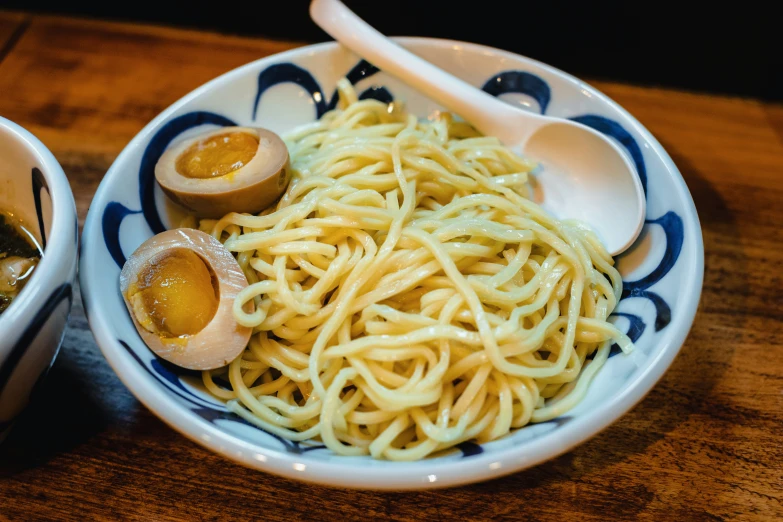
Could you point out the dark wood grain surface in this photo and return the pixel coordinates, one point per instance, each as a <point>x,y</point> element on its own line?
<point>705,444</point>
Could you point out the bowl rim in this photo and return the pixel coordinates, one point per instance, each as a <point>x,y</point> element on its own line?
<point>61,240</point>
<point>395,476</point>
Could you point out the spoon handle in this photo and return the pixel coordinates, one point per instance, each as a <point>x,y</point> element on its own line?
<point>485,112</point>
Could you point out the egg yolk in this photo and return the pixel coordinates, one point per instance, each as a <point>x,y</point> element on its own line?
<point>175,294</point>
<point>218,155</point>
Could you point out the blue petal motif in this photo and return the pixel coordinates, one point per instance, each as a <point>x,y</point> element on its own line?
<point>360,71</point>
<point>520,82</point>
<point>115,212</point>
<point>111,220</point>
<point>470,448</point>
<point>39,183</point>
<point>290,73</point>
<point>381,94</point>
<point>616,131</point>
<point>663,312</point>
<point>635,330</point>
<point>291,446</point>
<point>674,230</point>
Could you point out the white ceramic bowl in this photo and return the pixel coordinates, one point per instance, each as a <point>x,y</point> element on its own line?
<point>663,271</point>
<point>33,188</point>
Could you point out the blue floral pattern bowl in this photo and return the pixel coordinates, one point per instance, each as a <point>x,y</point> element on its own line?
<point>34,189</point>
<point>662,272</point>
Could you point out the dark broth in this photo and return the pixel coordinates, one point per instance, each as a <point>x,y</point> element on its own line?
<point>16,246</point>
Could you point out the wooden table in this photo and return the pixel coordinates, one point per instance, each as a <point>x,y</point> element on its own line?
<point>705,444</point>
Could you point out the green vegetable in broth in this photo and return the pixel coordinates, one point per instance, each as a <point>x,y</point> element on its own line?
<point>18,259</point>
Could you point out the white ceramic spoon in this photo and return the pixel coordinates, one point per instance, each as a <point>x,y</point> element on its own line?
<point>584,175</point>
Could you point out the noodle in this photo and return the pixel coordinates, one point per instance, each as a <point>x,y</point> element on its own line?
<point>408,295</point>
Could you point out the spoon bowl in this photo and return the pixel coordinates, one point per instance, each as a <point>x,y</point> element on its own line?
<point>590,183</point>
<point>582,174</point>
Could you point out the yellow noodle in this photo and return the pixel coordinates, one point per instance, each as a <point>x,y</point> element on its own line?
<point>409,296</point>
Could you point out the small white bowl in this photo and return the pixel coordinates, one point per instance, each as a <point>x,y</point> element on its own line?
<point>663,270</point>
<point>34,189</point>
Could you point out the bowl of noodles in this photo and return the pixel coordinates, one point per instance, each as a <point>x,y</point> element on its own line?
<point>415,320</point>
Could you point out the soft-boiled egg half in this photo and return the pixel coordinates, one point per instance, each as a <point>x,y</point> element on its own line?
<point>231,169</point>
<point>179,287</point>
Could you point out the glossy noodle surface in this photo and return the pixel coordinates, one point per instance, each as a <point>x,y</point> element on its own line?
<point>409,296</point>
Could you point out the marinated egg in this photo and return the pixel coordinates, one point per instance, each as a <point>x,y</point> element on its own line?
<point>231,169</point>
<point>179,287</point>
